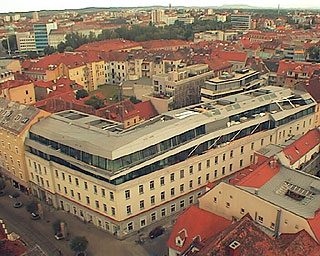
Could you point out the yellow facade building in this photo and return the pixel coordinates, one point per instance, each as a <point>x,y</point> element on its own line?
<point>18,91</point>
<point>15,122</point>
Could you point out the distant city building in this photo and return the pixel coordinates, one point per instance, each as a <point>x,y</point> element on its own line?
<point>26,41</point>
<point>41,34</point>
<point>157,15</point>
<point>35,16</point>
<point>241,21</point>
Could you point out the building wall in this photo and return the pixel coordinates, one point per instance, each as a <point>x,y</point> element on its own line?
<point>23,94</point>
<point>197,171</point>
<point>233,203</point>
<point>14,66</point>
<point>12,150</point>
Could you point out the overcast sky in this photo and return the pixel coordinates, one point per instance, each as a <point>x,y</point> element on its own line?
<point>36,5</point>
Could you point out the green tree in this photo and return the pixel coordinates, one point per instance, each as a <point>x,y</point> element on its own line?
<point>61,47</point>
<point>49,50</point>
<point>134,100</point>
<point>79,244</point>
<point>69,49</point>
<point>313,52</point>
<point>32,207</point>
<point>95,102</point>
<point>12,42</point>
<point>32,55</point>
<point>81,94</point>
<point>56,226</point>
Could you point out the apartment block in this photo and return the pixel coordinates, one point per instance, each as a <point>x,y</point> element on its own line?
<point>26,41</point>
<point>241,21</point>
<point>15,122</point>
<point>230,84</point>
<point>123,180</point>
<point>19,91</point>
<point>183,85</point>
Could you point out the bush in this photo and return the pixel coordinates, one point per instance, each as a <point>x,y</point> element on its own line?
<point>81,94</point>
<point>79,244</point>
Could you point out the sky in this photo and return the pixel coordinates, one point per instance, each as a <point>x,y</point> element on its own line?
<point>36,5</point>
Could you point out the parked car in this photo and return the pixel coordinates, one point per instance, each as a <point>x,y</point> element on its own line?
<point>59,236</point>
<point>158,231</point>
<point>35,216</point>
<point>17,204</point>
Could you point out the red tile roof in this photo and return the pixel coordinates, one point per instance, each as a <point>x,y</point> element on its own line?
<point>14,83</point>
<point>302,146</point>
<point>146,110</point>
<point>231,55</point>
<point>108,45</point>
<point>163,44</point>
<point>313,87</point>
<point>196,222</point>
<point>261,175</point>
<point>253,241</point>
<point>314,224</point>
<point>286,65</point>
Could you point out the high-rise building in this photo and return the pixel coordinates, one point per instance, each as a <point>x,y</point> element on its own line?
<point>35,16</point>
<point>157,15</point>
<point>122,180</point>
<point>241,21</point>
<point>41,33</point>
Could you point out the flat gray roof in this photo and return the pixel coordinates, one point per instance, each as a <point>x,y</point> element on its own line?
<point>275,191</point>
<point>112,142</point>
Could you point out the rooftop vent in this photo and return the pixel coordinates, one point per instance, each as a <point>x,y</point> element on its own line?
<point>234,248</point>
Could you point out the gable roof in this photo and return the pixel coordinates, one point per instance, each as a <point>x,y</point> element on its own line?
<point>146,110</point>
<point>196,222</point>
<point>231,55</point>
<point>302,146</point>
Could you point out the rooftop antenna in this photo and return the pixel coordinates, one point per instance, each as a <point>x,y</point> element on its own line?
<point>278,9</point>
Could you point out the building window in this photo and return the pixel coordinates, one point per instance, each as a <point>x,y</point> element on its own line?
<point>227,204</point>
<point>63,176</point>
<point>70,180</point>
<point>48,185</point>
<point>142,223</point>
<point>242,211</point>
<point>95,190</point>
<point>260,219</point>
<point>65,190</point>
<point>190,184</point>
<point>173,208</point>
<point>182,204</point>
<point>152,200</point>
<point>172,192</point>
<point>191,200</point>
<point>141,204</point>
<point>104,207</point>
<point>241,149</point>
<point>87,200</point>
<point>216,160</point>
<point>224,157</point>
<point>85,185</point>
<point>140,189</point>
<point>162,196</point>
<point>231,154</point>
<point>130,226</point>
<point>103,192</point>
<point>151,185</point>
<point>230,167</point>
<point>181,174</point>
<point>128,209</point>
<point>191,169</point>
<point>153,217</point>
<point>111,196</point>
<point>79,196</point>
<point>127,194</point>
<point>223,170</point>
<point>199,180</point>
<point>208,163</point>
<point>270,138</point>
<point>199,167</point>
<point>181,188</point>
<point>272,225</point>
<point>77,181</point>
<point>215,200</point>
<point>207,176</point>
<point>262,142</point>
<point>113,211</point>
<point>215,173</point>
<point>241,162</point>
<point>252,145</point>
<point>171,177</point>
<point>163,212</point>
<point>97,204</point>
<point>161,181</point>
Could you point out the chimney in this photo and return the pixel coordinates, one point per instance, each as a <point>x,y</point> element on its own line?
<point>234,248</point>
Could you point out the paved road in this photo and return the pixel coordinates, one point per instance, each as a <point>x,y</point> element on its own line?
<point>40,232</point>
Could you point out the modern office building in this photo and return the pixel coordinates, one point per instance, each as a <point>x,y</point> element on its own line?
<point>123,180</point>
<point>241,21</point>
<point>41,34</point>
<point>230,84</point>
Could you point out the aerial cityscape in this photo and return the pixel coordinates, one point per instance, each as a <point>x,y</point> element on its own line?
<point>159,129</point>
